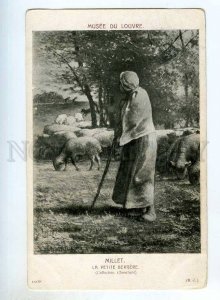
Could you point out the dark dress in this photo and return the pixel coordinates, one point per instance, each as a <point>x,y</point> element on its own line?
<point>134,186</point>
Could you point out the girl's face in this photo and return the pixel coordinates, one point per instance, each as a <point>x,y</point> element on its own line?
<point>121,89</point>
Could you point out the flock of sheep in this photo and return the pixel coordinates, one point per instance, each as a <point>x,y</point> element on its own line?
<point>69,138</point>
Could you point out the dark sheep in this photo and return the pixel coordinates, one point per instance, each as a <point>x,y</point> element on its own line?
<point>185,152</point>
<point>194,173</point>
<point>46,147</point>
<point>164,140</point>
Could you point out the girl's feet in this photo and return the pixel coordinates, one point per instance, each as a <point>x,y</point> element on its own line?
<point>150,215</point>
<point>136,212</point>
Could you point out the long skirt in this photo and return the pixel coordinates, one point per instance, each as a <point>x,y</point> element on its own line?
<point>134,186</point>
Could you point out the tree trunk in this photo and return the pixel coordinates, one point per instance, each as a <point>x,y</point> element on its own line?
<point>186,82</point>
<point>84,85</point>
<point>186,89</point>
<point>91,104</point>
<point>109,100</point>
<point>102,121</point>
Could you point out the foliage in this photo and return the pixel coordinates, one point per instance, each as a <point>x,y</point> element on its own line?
<point>51,97</point>
<point>167,63</point>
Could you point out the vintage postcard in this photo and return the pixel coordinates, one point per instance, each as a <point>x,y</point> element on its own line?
<point>116,117</point>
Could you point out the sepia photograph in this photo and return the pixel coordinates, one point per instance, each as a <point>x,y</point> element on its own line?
<point>116,111</point>
<point>109,149</point>
<point>116,117</point>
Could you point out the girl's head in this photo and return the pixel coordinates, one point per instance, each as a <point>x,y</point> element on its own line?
<point>129,81</point>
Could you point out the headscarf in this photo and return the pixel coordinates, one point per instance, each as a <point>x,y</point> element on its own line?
<point>129,80</point>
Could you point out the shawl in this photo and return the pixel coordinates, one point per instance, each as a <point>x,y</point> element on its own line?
<point>136,116</point>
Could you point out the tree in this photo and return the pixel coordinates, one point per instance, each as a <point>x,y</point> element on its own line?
<point>50,97</point>
<point>63,50</point>
<point>166,61</point>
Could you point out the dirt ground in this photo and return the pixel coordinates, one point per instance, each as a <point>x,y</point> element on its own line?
<point>63,224</point>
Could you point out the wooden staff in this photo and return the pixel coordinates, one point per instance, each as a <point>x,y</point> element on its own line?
<point>104,174</point>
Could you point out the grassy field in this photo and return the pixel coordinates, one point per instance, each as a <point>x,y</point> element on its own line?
<point>63,223</point>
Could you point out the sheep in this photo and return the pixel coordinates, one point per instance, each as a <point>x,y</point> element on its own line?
<point>163,140</point>
<point>70,120</point>
<point>85,132</point>
<point>188,131</point>
<point>105,138</point>
<point>163,132</point>
<point>52,143</point>
<point>60,119</point>
<point>194,173</point>
<point>165,137</point>
<point>88,146</point>
<point>84,124</point>
<point>48,154</point>
<point>184,153</point>
<point>79,117</point>
<point>45,135</point>
<point>103,135</point>
<point>91,132</point>
<point>51,129</point>
<point>66,134</point>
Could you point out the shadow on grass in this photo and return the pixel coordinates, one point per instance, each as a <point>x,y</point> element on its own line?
<point>80,210</point>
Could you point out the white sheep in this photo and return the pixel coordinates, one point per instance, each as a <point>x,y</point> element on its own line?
<point>86,146</point>
<point>70,120</point>
<point>92,131</point>
<point>84,124</point>
<point>79,117</point>
<point>67,134</point>
<point>87,132</point>
<point>60,119</point>
<point>105,138</point>
<point>103,135</point>
<point>51,129</point>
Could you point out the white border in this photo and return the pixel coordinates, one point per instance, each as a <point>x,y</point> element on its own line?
<point>13,192</point>
<point>163,271</point>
